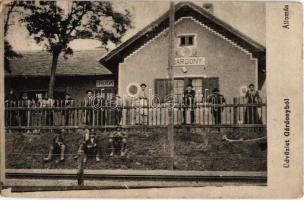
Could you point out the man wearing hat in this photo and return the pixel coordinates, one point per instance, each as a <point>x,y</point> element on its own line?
<point>189,96</point>
<point>216,100</point>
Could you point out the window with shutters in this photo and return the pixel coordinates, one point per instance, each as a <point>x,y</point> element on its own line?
<point>202,86</point>
<point>210,84</point>
<point>162,90</point>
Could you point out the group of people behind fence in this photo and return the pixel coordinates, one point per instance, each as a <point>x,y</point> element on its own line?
<point>217,102</point>
<point>215,99</point>
<point>95,114</point>
<point>23,117</point>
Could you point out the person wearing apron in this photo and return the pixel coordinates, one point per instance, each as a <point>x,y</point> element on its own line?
<point>143,103</point>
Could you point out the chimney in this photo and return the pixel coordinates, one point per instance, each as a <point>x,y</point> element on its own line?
<point>208,7</point>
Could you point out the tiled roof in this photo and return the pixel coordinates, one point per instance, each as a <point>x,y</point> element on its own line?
<point>38,63</point>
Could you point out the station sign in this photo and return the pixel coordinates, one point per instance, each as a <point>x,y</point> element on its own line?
<point>189,61</point>
<point>104,83</point>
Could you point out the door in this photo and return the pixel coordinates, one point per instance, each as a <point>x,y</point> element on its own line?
<point>209,84</point>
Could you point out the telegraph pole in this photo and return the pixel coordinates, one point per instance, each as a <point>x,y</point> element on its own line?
<point>2,124</point>
<point>171,82</point>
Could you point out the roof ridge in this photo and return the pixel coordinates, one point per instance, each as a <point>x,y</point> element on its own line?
<point>45,51</point>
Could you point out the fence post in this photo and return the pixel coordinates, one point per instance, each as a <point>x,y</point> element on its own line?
<point>235,114</point>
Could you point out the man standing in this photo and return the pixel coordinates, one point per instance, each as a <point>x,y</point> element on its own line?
<point>49,103</point>
<point>67,103</point>
<point>189,95</point>
<point>116,109</point>
<point>216,100</point>
<point>100,106</point>
<point>25,114</point>
<point>89,103</point>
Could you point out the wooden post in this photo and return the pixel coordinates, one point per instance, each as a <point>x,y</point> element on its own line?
<point>235,114</point>
<point>80,170</point>
<point>2,109</point>
<point>171,81</point>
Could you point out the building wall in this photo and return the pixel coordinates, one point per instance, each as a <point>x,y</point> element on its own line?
<point>76,86</point>
<point>234,67</point>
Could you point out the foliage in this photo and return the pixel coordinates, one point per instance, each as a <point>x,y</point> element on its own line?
<point>20,9</point>
<point>53,27</point>
<point>8,54</point>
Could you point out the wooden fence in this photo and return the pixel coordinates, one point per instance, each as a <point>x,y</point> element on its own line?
<point>27,115</point>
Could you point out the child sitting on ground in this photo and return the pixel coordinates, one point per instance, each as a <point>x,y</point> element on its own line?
<point>89,146</point>
<point>118,142</point>
<point>57,147</point>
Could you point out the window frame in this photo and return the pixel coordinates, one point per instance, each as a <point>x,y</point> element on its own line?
<point>184,35</point>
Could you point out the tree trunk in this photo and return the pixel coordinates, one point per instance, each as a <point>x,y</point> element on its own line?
<point>52,75</point>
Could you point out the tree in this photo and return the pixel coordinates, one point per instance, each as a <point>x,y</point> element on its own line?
<point>8,49</point>
<point>54,28</point>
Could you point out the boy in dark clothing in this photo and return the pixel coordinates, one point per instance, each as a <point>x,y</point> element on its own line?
<point>118,141</point>
<point>116,110</point>
<point>189,96</point>
<point>216,100</point>
<point>57,147</point>
<point>89,146</point>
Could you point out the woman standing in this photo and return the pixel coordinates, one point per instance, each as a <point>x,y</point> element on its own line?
<point>143,103</point>
<point>251,113</point>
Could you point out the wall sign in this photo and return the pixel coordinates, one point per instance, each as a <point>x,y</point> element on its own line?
<point>104,83</point>
<point>189,61</point>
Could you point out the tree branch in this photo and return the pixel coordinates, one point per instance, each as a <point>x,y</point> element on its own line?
<point>68,34</point>
<point>6,25</point>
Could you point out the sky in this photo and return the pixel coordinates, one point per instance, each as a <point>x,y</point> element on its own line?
<point>247,17</point>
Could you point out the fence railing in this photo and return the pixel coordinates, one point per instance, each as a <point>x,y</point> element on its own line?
<point>27,115</point>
